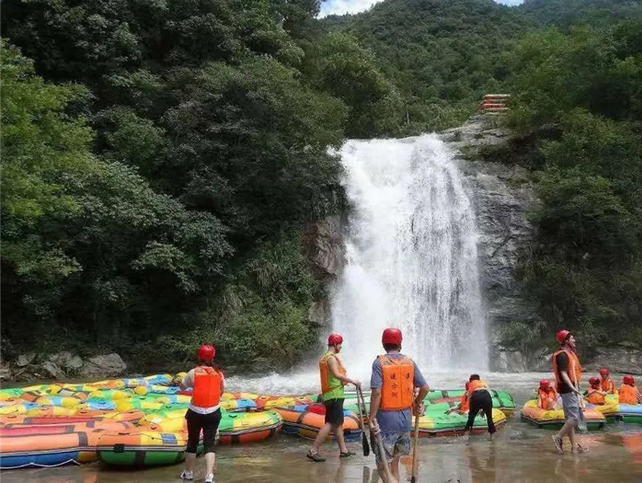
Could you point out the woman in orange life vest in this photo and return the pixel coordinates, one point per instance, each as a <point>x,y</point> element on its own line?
<point>546,395</point>
<point>207,385</point>
<point>333,379</point>
<point>479,399</point>
<point>568,374</point>
<point>607,384</point>
<point>395,378</point>
<point>594,393</point>
<point>628,393</point>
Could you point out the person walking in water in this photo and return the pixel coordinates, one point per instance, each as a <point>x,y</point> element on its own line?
<point>204,413</point>
<point>568,375</point>
<point>479,399</point>
<point>393,402</point>
<point>333,380</point>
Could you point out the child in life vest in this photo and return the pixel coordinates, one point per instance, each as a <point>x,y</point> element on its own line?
<point>463,402</point>
<point>594,393</point>
<point>628,393</point>
<point>546,395</point>
<point>607,384</point>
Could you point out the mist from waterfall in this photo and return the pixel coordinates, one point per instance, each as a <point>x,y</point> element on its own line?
<point>411,256</point>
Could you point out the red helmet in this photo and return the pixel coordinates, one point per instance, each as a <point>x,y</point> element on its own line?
<point>206,353</point>
<point>604,372</point>
<point>391,336</point>
<point>628,379</point>
<point>335,339</point>
<point>562,335</point>
<point>544,383</point>
<point>594,381</point>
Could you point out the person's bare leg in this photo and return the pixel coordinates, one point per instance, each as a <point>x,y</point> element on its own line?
<point>210,461</point>
<point>338,433</point>
<point>190,461</point>
<point>571,437</point>
<point>394,468</point>
<point>324,432</point>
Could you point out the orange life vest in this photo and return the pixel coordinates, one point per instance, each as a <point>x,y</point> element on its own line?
<point>608,385</point>
<point>324,372</point>
<point>398,389</point>
<point>574,368</point>
<point>628,394</point>
<point>474,385</point>
<point>595,397</point>
<point>547,399</point>
<point>207,387</point>
<point>464,406</point>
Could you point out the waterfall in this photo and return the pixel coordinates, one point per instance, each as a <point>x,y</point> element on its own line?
<point>411,256</point>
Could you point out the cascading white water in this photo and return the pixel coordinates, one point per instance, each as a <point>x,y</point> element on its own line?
<point>411,252</point>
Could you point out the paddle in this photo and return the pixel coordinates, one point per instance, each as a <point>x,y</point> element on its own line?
<point>362,416</point>
<point>415,460</point>
<point>382,451</point>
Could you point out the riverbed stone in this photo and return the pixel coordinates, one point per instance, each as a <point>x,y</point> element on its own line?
<point>50,369</point>
<point>103,366</point>
<point>66,360</point>
<point>25,359</point>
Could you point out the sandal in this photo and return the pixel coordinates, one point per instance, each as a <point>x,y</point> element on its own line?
<point>558,444</point>
<point>580,450</point>
<point>347,454</point>
<point>316,457</point>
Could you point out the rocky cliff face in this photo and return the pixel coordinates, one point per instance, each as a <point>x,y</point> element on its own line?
<point>503,196</point>
<point>324,248</point>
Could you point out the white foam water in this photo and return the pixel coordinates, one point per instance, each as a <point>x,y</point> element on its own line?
<point>411,250</point>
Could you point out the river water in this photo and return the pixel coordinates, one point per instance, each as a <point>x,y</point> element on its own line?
<point>518,453</point>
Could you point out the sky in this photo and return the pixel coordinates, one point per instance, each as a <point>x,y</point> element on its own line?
<point>339,7</point>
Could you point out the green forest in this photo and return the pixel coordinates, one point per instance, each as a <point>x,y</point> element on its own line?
<point>161,158</point>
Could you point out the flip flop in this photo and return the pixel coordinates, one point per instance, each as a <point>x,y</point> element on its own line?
<point>558,444</point>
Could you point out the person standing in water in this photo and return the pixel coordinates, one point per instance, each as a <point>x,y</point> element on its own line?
<point>568,375</point>
<point>393,402</point>
<point>333,380</point>
<point>204,413</point>
<point>479,399</point>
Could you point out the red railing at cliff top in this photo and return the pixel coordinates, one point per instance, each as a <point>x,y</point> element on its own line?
<point>495,103</point>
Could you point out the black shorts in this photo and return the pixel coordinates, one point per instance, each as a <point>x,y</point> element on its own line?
<point>208,423</point>
<point>334,411</point>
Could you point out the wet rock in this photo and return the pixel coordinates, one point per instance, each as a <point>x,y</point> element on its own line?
<point>51,370</point>
<point>25,359</point>
<point>103,366</point>
<point>66,360</point>
<point>319,314</point>
<point>509,361</point>
<point>622,358</point>
<point>323,247</point>
<point>502,196</point>
<point>5,372</point>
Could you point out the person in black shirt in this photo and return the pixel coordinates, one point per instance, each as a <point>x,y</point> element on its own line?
<point>568,372</point>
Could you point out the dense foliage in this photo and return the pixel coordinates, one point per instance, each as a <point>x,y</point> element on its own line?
<point>161,157</point>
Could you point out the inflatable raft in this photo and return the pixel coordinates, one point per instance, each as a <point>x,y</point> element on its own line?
<point>306,420</point>
<point>438,423</point>
<point>630,413</point>
<point>554,419</point>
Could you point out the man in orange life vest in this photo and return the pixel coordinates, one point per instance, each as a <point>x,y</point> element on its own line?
<point>204,413</point>
<point>628,393</point>
<point>333,379</point>
<point>608,384</point>
<point>393,382</point>
<point>479,399</point>
<point>568,374</point>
